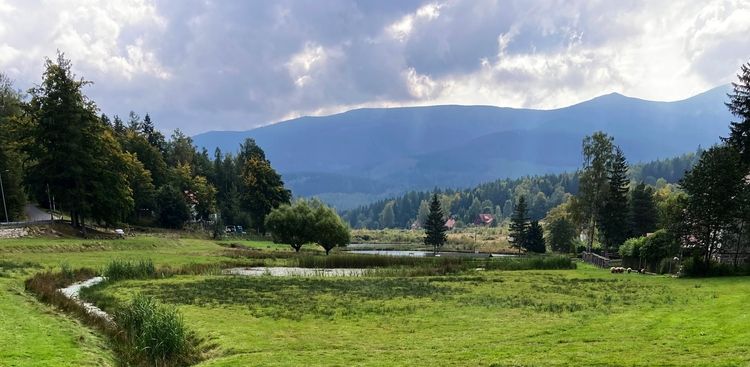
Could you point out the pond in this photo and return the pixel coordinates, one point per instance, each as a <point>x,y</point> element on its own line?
<point>417,253</point>
<point>292,271</point>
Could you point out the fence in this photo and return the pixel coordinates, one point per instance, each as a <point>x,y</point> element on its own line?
<point>595,259</point>
<point>27,224</point>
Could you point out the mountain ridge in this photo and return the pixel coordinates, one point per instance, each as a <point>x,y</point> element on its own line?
<point>391,150</point>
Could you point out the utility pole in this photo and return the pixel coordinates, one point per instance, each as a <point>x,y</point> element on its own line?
<point>2,190</point>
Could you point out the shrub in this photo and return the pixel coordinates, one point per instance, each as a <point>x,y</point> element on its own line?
<point>155,334</point>
<point>122,269</point>
<point>696,267</point>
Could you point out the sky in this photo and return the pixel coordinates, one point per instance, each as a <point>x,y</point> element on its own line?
<point>235,65</point>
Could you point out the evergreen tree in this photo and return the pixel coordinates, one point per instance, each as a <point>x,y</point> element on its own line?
<point>712,187</point>
<point>642,209</point>
<point>173,210</point>
<point>263,189</point>
<point>153,136</point>
<point>613,217</point>
<point>535,238</point>
<point>434,227</point>
<point>519,225</point>
<point>73,151</point>
<point>118,125</point>
<point>11,172</point>
<point>739,106</point>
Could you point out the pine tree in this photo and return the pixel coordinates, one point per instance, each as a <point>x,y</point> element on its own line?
<point>74,153</point>
<point>434,227</point>
<point>263,189</point>
<point>642,210</point>
<point>739,106</point>
<point>535,238</point>
<point>613,217</point>
<point>519,225</point>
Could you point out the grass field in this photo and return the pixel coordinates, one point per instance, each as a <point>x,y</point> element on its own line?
<point>584,316</point>
<point>484,239</point>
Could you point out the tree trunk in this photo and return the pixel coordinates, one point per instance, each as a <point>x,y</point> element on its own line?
<point>739,244</point>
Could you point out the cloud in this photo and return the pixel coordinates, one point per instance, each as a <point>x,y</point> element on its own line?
<point>201,64</point>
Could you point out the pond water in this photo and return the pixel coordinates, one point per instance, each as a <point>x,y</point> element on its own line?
<point>417,253</point>
<point>291,271</point>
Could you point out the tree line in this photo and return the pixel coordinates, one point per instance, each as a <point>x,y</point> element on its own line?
<point>541,193</point>
<point>701,223</point>
<point>56,149</point>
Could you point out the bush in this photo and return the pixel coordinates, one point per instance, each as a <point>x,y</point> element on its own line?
<point>696,267</point>
<point>632,247</point>
<point>121,269</point>
<point>155,334</point>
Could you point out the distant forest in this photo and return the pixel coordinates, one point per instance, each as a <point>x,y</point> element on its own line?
<point>497,197</point>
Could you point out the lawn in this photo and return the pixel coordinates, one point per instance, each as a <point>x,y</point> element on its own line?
<point>553,317</point>
<point>572,317</point>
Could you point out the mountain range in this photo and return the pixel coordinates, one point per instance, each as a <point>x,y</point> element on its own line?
<point>355,157</point>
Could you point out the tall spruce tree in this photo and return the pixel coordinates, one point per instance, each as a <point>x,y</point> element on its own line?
<point>263,189</point>
<point>434,226</point>
<point>613,217</point>
<point>535,238</point>
<point>739,106</point>
<point>519,225</point>
<point>642,210</point>
<point>74,153</point>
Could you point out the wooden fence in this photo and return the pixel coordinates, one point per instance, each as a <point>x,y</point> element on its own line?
<point>594,259</point>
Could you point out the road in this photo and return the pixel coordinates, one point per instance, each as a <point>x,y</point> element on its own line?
<point>35,214</point>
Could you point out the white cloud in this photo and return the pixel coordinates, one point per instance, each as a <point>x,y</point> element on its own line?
<point>401,29</point>
<point>302,63</point>
<point>237,64</point>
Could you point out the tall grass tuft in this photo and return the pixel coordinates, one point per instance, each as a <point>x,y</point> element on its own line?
<point>122,269</point>
<point>155,334</point>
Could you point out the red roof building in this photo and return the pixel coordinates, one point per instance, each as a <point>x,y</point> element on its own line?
<point>484,220</point>
<point>450,223</point>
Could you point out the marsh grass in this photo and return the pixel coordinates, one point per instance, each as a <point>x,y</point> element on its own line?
<point>155,334</point>
<point>122,269</point>
<point>419,265</point>
<point>143,334</point>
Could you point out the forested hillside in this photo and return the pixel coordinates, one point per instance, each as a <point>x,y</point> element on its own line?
<point>357,157</point>
<point>498,197</point>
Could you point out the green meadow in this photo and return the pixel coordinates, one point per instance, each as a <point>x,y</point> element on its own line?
<point>384,317</point>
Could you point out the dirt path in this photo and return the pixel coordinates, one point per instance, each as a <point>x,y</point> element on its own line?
<point>35,214</point>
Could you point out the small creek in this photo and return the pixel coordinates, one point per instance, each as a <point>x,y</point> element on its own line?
<point>73,292</point>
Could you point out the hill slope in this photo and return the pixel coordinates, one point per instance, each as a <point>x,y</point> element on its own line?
<point>366,154</point>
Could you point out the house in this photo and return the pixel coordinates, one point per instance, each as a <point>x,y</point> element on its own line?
<point>484,220</point>
<point>450,223</point>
